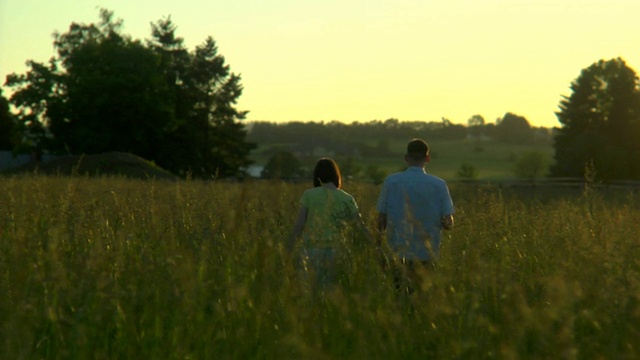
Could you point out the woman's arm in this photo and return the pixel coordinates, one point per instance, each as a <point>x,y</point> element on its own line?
<point>361,225</point>
<point>298,227</point>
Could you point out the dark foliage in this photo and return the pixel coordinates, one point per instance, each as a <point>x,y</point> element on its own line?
<point>370,139</point>
<point>283,165</point>
<point>107,92</point>
<point>7,125</point>
<point>600,124</point>
<point>513,129</point>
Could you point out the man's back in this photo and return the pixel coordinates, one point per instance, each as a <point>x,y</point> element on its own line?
<point>414,203</point>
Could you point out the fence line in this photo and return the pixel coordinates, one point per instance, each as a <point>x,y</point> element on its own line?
<point>568,182</point>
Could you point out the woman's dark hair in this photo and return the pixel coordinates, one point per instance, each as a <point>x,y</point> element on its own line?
<point>327,171</point>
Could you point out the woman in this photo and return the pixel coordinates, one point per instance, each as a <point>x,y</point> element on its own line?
<point>327,214</point>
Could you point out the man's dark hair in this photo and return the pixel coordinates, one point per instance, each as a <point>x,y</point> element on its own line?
<point>327,171</point>
<point>417,149</point>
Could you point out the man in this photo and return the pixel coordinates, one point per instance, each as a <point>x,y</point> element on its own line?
<point>413,208</point>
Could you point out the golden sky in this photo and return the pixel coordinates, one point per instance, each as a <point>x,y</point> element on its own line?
<point>362,60</point>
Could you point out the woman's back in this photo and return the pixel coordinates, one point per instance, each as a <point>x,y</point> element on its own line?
<point>330,210</point>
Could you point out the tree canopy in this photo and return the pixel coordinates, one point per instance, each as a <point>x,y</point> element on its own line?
<point>105,91</point>
<point>600,124</point>
<point>363,135</point>
<point>6,125</point>
<point>283,165</point>
<point>513,128</point>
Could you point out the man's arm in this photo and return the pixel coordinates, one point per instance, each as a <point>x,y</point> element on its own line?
<point>447,222</point>
<point>381,226</point>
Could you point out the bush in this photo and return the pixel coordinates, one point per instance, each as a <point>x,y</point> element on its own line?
<point>375,174</point>
<point>531,165</point>
<point>467,171</point>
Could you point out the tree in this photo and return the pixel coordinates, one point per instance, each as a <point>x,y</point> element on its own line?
<point>513,128</point>
<point>282,165</point>
<point>600,124</point>
<point>475,120</point>
<point>349,168</point>
<point>115,98</point>
<point>475,127</point>
<point>108,92</point>
<point>451,131</point>
<point>7,126</point>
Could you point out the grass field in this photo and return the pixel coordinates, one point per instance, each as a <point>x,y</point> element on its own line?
<point>106,268</point>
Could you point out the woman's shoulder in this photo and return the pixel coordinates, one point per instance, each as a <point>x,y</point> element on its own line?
<point>311,191</point>
<point>343,194</point>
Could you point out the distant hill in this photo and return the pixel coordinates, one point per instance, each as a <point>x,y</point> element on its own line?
<point>106,164</point>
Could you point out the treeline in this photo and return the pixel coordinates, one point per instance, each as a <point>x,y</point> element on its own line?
<point>375,135</point>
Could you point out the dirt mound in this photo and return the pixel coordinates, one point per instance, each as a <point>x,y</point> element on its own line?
<point>111,163</point>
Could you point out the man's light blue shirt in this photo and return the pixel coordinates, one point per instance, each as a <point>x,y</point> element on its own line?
<point>414,203</point>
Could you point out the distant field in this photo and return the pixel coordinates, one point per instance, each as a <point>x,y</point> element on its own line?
<point>108,268</point>
<point>492,160</point>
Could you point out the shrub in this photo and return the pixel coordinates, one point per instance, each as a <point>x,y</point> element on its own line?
<point>375,174</point>
<point>467,172</point>
<point>531,165</point>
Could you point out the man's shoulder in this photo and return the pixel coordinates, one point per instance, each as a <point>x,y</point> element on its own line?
<point>435,178</point>
<point>396,177</point>
<point>412,176</point>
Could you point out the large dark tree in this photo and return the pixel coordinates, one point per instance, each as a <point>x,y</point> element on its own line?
<point>204,96</point>
<point>7,126</point>
<point>600,124</point>
<point>283,165</point>
<point>107,92</point>
<point>116,97</point>
<point>512,128</point>
<point>475,126</point>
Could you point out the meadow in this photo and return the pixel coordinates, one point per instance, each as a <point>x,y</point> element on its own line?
<point>493,160</point>
<point>114,268</point>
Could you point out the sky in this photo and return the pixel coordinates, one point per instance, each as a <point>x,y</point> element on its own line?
<point>363,60</point>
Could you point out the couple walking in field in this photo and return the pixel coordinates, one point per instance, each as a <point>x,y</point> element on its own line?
<point>413,207</point>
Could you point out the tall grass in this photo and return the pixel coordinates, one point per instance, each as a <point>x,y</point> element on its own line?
<point>112,268</point>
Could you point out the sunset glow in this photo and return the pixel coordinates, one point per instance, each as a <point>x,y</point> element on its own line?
<point>360,60</point>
